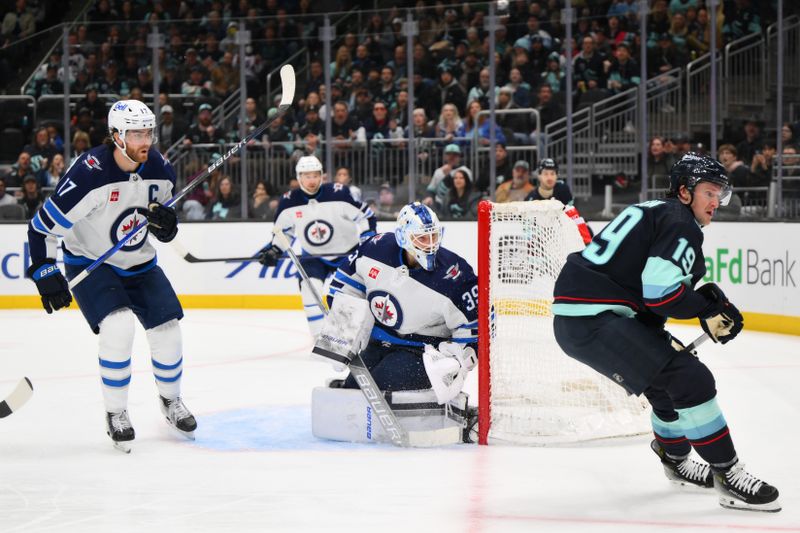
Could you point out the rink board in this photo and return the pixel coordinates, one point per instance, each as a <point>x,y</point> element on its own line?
<point>755,263</point>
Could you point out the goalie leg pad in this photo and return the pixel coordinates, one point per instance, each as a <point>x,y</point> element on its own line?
<point>344,415</point>
<point>115,348</point>
<point>166,352</point>
<point>346,329</point>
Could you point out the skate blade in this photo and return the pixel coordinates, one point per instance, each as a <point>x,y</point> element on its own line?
<point>689,487</point>
<point>188,435</point>
<point>739,505</point>
<point>122,447</point>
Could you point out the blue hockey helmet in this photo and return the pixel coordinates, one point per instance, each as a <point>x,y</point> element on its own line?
<point>694,168</point>
<point>420,233</point>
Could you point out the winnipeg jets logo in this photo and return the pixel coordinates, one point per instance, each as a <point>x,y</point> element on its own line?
<point>318,233</point>
<point>92,163</point>
<point>124,224</point>
<point>386,309</point>
<point>453,272</point>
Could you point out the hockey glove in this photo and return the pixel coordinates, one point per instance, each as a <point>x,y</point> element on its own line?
<point>270,256</point>
<point>162,221</point>
<point>447,368</point>
<point>677,345</point>
<point>51,285</point>
<point>720,319</point>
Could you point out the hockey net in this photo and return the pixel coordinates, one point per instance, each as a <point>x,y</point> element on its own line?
<point>530,392</point>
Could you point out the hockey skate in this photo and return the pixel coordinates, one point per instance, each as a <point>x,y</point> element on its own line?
<point>470,433</point>
<point>738,489</point>
<point>683,470</point>
<point>119,428</point>
<point>178,417</point>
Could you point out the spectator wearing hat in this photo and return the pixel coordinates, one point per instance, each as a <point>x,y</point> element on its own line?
<point>48,85</point>
<point>624,71</point>
<point>518,187</point>
<point>503,169</point>
<point>664,56</point>
<point>5,197</point>
<point>534,29</point>
<point>196,85</point>
<point>278,136</point>
<point>752,142</point>
<point>462,200</point>
<point>437,190</point>
<point>657,22</point>
<point>203,131</point>
<point>385,208</point>
<point>32,198</point>
<point>312,123</point>
<point>190,61</point>
<point>450,92</point>
<point>111,83</point>
<point>170,128</point>
<point>554,75</point>
<point>548,185</point>
<point>682,145</point>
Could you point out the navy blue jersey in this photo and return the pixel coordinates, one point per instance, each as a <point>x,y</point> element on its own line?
<point>412,306</point>
<point>328,224</point>
<point>645,261</point>
<point>96,203</point>
<point>561,193</point>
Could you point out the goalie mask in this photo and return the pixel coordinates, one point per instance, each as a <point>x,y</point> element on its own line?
<point>306,165</point>
<point>420,233</point>
<point>131,115</point>
<point>694,168</point>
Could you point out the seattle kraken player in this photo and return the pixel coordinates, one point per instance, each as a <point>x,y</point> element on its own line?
<point>611,302</point>
<point>424,301</point>
<point>104,194</point>
<point>329,224</point>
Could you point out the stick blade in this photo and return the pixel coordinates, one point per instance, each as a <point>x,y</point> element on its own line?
<point>21,394</point>
<point>287,83</point>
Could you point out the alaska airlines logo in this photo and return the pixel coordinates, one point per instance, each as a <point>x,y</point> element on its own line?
<point>318,233</point>
<point>453,272</point>
<point>92,163</point>
<point>124,224</point>
<point>386,309</point>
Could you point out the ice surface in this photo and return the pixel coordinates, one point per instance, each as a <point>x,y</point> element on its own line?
<point>256,467</point>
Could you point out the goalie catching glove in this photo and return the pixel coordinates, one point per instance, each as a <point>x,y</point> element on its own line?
<point>162,221</point>
<point>447,368</point>
<point>720,319</point>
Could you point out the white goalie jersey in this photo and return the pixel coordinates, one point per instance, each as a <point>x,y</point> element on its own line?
<point>412,307</point>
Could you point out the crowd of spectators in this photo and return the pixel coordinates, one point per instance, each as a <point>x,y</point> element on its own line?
<point>370,83</point>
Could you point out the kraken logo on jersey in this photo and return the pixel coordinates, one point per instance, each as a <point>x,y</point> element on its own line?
<point>125,224</point>
<point>386,309</point>
<point>318,233</point>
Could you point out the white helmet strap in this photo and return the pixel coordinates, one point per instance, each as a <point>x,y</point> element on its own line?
<point>124,146</point>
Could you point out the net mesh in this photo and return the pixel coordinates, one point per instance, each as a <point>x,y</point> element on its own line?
<point>539,395</point>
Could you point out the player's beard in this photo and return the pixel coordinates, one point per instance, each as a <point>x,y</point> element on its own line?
<point>139,154</point>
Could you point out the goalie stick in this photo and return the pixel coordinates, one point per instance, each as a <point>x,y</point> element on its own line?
<point>21,394</point>
<point>358,368</point>
<point>288,86</point>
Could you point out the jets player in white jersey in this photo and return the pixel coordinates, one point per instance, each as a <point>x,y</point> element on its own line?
<point>102,196</point>
<point>424,301</point>
<point>329,224</point>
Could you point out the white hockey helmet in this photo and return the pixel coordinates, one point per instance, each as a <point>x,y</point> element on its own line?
<point>130,115</point>
<point>420,233</point>
<point>307,163</point>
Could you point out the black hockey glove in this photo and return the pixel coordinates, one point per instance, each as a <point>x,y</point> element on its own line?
<point>51,285</point>
<point>720,319</point>
<point>162,220</point>
<point>270,256</point>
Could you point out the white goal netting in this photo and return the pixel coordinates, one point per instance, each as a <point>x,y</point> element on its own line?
<point>537,394</point>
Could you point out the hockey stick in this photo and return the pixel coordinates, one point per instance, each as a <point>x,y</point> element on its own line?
<point>358,369</point>
<point>288,84</point>
<point>697,342</point>
<point>21,394</point>
<point>189,258</point>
